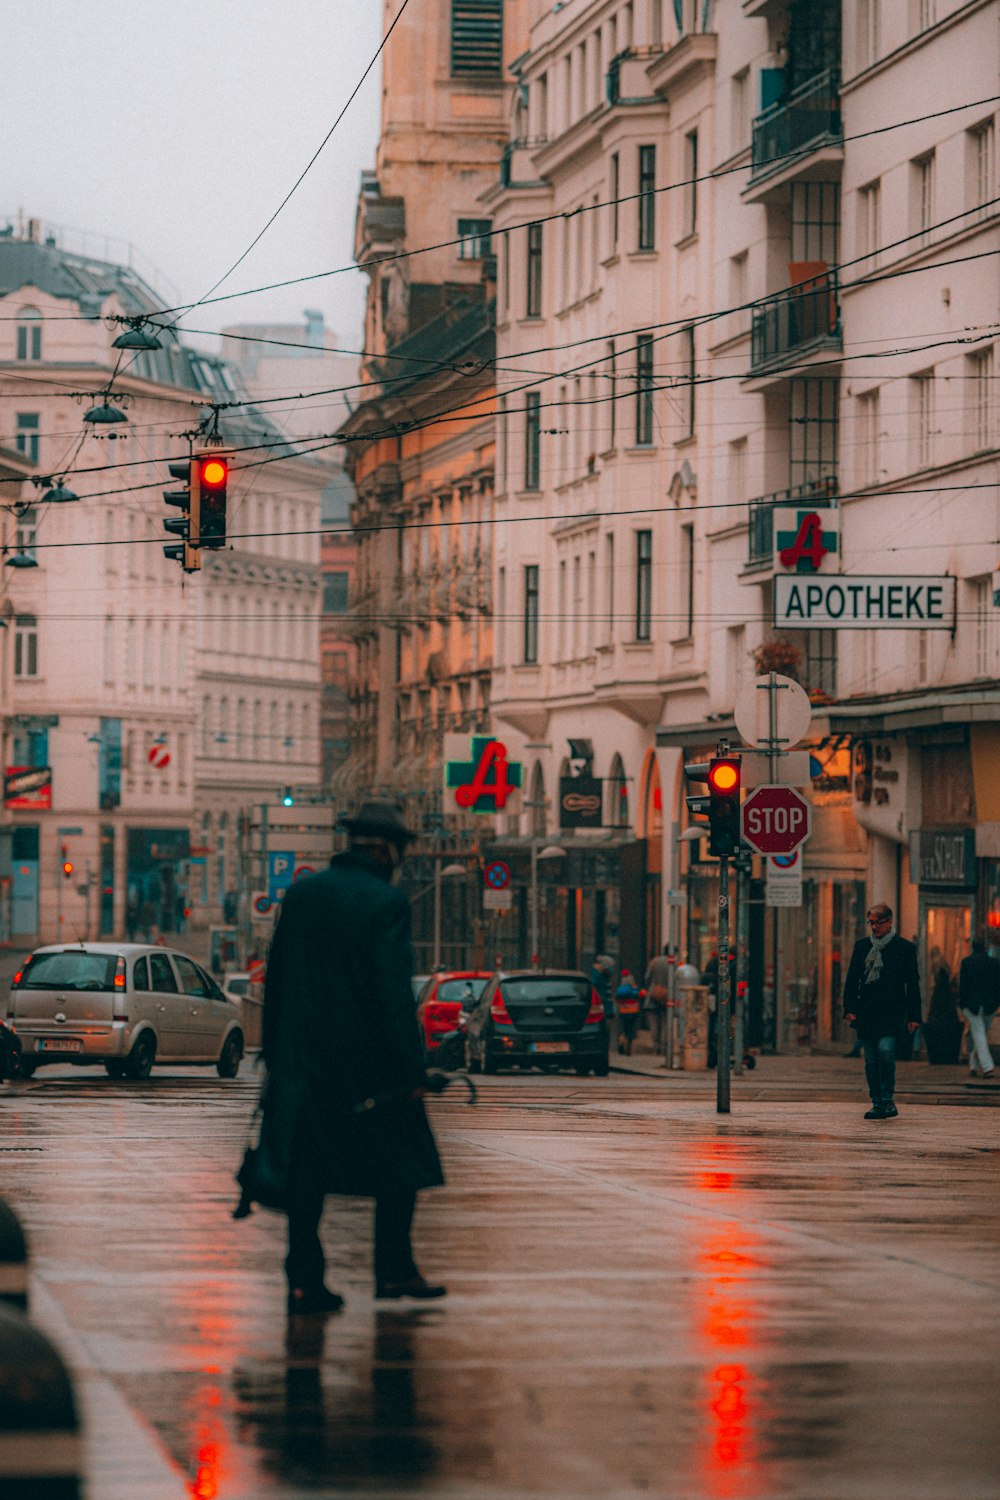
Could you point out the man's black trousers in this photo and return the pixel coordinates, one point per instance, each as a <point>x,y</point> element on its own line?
<point>305,1264</point>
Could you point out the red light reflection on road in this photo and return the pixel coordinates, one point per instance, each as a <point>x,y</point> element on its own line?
<point>210,1453</point>
<point>725,1258</point>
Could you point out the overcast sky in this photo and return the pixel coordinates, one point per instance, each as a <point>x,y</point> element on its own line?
<point>179,125</point>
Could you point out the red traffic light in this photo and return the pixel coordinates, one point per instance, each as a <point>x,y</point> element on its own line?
<point>214,473</point>
<point>724,776</point>
<point>67,868</point>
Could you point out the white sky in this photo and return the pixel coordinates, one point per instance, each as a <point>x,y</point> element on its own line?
<point>179,125</point>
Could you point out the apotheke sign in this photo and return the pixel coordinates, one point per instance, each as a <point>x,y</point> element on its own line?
<point>847,602</point>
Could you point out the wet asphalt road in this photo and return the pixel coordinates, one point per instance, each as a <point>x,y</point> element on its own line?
<point>646,1299</point>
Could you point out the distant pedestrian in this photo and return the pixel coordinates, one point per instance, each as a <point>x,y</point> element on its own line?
<point>659,976</point>
<point>882,1000</point>
<point>600,978</point>
<point>979,998</point>
<point>627,998</point>
<point>343,1107</point>
<point>131,918</point>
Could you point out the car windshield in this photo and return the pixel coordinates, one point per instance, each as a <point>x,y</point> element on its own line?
<point>461,989</point>
<point>542,988</point>
<point>69,970</point>
<point>239,986</point>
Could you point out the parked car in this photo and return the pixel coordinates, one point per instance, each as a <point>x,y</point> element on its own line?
<point>126,1005</point>
<point>417,983</point>
<point>537,1018</point>
<point>441,1002</point>
<point>236,984</point>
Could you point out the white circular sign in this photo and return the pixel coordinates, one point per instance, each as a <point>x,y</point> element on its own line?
<point>792,711</point>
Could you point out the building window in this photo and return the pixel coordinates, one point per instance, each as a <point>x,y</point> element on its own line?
<point>981,153</point>
<point>476,38</point>
<point>29,334</point>
<point>821,662</point>
<point>738,450</point>
<point>25,646</point>
<point>923,419</point>
<point>533,299</point>
<point>741,117</point>
<point>26,438</point>
<point>647,198</point>
<point>687,579</point>
<point>531,614</point>
<point>613,403</point>
<point>868,431</point>
<point>691,182</point>
<point>644,390</point>
<point>500,621</point>
<point>474,239</point>
<point>532,440</point>
<point>26,531</point>
<point>868,32</point>
<point>643,585</point>
<point>687,337</point>
<point>923,197</point>
<point>335,593</point>
<point>615,194</point>
<point>870,221</point>
<point>980,399</point>
<point>609,585</point>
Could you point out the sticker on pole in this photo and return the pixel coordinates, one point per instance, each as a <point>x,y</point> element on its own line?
<point>776,819</point>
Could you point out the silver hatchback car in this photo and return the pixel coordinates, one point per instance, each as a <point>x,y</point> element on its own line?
<point>126,1005</point>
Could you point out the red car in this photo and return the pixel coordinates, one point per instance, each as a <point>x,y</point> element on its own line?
<point>441,1001</point>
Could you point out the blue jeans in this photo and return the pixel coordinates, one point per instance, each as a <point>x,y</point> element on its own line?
<point>880,1069</point>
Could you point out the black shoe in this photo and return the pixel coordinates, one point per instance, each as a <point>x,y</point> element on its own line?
<point>876,1113</point>
<point>416,1286</point>
<point>308,1304</point>
<point>890,1111</point>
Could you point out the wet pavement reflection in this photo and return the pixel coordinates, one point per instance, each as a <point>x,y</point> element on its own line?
<point>645,1300</point>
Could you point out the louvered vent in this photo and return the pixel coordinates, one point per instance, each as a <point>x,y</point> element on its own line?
<point>476,38</point>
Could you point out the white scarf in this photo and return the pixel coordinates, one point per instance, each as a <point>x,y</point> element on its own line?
<point>873,961</point>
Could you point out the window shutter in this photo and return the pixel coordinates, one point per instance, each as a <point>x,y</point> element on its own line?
<point>476,38</point>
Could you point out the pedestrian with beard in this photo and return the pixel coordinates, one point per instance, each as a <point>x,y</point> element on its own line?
<point>343,1107</point>
<point>882,1001</point>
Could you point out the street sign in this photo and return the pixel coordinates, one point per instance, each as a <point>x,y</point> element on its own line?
<point>497,875</point>
<point>280,871</point>
<point>776,819</point>
<point>792,769</point>
<point>792,711</point>
<point>783,884</point>
<point>302,870</point>
<point>260,903</point>
<point>479,778</point>
<point>497,900</point>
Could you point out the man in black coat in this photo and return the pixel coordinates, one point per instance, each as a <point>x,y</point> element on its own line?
<point>979,997</point>
<point>882,1000</point>
<point>345,1065</point>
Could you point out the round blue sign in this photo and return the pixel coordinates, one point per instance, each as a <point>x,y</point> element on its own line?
<point>497,875</point>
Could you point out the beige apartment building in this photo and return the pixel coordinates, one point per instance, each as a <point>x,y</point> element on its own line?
<point>747,257</point>
<point>150,714</point>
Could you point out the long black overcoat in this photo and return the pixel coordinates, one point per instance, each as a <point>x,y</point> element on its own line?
<point>885,1007</point>
<point>340,1028</point>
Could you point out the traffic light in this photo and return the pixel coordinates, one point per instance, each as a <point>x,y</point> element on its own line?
<point>212,477</point>
<point>187,524</point>
<point>724,805</point>
<point>288,797</point>
<point>67,863</point>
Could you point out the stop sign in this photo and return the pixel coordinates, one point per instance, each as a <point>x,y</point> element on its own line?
<point>776,819</point>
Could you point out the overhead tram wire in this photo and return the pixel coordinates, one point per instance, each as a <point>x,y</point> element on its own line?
<point>709,176</point>
<point>664,327</point>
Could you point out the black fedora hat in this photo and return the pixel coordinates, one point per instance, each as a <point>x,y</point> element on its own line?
<point>379,820</point>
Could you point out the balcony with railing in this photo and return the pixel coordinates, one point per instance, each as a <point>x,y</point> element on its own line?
<point>818,494</point>
<point>799,135</point>
<point>794,323</point>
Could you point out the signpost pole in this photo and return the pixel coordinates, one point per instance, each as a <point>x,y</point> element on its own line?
<point>722,1015</point>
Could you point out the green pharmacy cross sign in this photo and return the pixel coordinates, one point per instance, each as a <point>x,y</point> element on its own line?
<point>802,549</point>
<point>483,783</point>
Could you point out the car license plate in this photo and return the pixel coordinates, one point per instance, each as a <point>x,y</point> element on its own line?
<point>550,1046</point>
<point>60,1044</point>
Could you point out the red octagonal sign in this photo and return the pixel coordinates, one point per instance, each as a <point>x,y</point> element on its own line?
<point>776,819</point>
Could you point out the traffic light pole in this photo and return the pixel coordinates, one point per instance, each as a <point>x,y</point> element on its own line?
<point>723,1009</point>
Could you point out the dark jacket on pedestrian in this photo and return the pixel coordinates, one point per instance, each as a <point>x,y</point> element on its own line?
<point>979,982</point>
<point>340,1029</point>
<point>884,1006</point>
